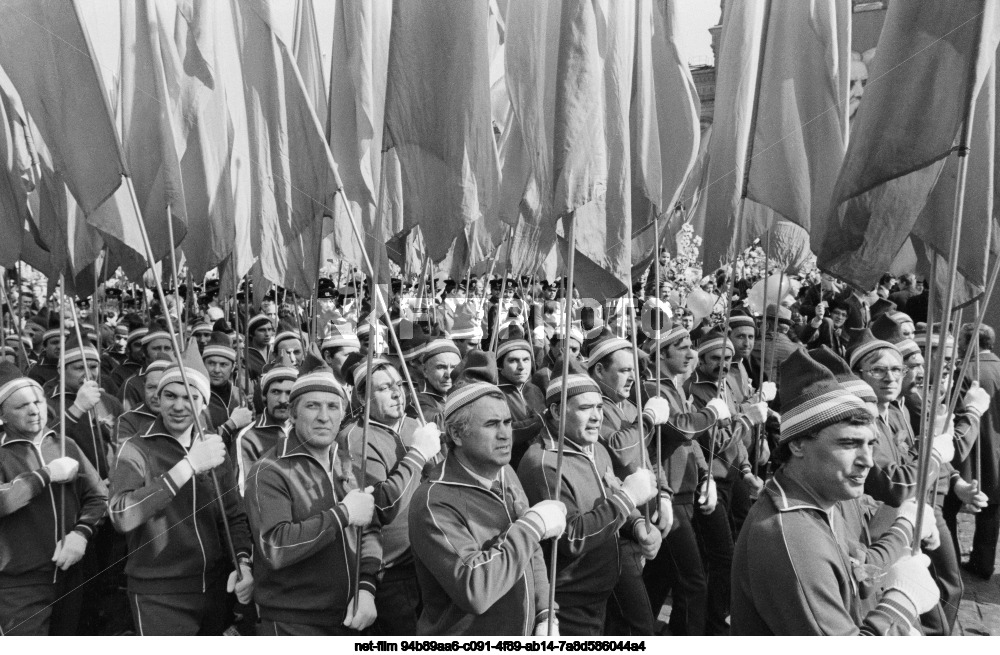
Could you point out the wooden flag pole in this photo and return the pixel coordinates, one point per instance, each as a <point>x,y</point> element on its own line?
<point>62,399</point>
<point>173,275</point>
<point>758,431</point>
<point>198,430</point>
<point>569,224</point>
<point>495,336</point>
<point>363,476</point>
<point>643,446</point>
<point>659,334</point>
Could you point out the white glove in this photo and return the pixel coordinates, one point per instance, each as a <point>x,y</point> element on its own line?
<point>649,540</point>
<point>362,614</point>
<point>665,517</point>
<point>720,407</point>
<point>708,497</point>
<point>207,453</point>
<point>550,516</point>
<point>970,495</point>
<point>241,417</point>
<point>244,588</point>
<point>910,577</point>
<point>360,506</point>
<point>640,486</point>
<point>768,390</point>
<point>756,413</point>
<point>69,550</point>
<point>976,399</point>
<point>87,397</point>
<point>542,629</point>
<point>427,440</point>
<point>928,529</point>
<point>657,410</point>
<point>63,469</point>
<point>944,446</point>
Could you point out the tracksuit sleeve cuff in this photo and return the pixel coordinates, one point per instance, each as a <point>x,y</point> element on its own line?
<point>895,604</point>
<point>85,530</point>
<point>624,501</point>
<point>340,513</point>
<point>416,457</point>
<point>367,582</point>
<point>533,524</point>
<point>44,476</point>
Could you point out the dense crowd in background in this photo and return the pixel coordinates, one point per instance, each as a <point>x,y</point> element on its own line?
<point>271,464</point>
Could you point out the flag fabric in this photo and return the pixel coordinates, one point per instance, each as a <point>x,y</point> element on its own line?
<point>44,51</point>
<point>153,134</point>
<point>16,171</point>
<point>215,164</point>
<point>800,133</point>
<point>932,60</point>
<point>354,128</point>
<point>665,119</point>
<point>438,117</point>
<point>293,181</point>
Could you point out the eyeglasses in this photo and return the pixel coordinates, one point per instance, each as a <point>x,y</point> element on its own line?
<point>879,372</point>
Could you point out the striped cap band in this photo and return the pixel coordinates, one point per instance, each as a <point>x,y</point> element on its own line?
<point>715,343</point>
<point>741,320</point>
<point>436,347</point>
<point>196,378</point>
<point>361,370</point>
<point>287,334</point>
<point>859,388</point>
<point>52,334</point>
<point>605,348</point>
<point>342,341</point>
<point>321,380</point>
<point>78,353</point>
<point>575,333</point>
<point>257,321</point>
<point>470,332</point>
<point>277,374</point>
<point>508,347</point>
<point>669,338</point>
<point>150,337</point>
<point>138,333</point>
<point>466,395</point>
<point>201,328</point>
<point>907,347</point>
<point>15,385</point>
<point>157,365</point>
<point>818,412</point>
<point>575,385</point>
<point>868,347</point>
<point>216,350</point>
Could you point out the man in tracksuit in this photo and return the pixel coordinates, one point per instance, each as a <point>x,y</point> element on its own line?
<point>137,420</point>
<point>525,400</point>
<point>679,567</point>
<point>397,450</point>
<point>227,406</point>
<point>306,515</point>
<point>625,436</point>
<point>729,461</point>
<point>598,505</point>
<point>38,551</point>
<point>264,434</point>
<point>475,540</point>
<point>164,500</point>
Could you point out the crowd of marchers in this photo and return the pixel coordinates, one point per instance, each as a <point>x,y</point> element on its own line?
<point>470,463</point>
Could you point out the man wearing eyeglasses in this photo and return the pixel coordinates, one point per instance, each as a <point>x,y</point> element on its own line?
<point>396,451</point>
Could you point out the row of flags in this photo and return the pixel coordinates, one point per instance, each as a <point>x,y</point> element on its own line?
<point>462,134</point>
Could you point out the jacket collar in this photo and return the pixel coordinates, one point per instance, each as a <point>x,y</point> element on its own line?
<point>700,378</point>
<point>452,472</point>
<point>144,410</point>
<point>292,446</point>
<point>428,391</point>
<point>265,421</point>
<point>788,495</point>
<point>551,443</point>
<point>7,439</point>
<point>988,356</point>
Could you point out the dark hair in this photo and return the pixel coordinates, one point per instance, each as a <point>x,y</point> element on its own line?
<point>987,335</point>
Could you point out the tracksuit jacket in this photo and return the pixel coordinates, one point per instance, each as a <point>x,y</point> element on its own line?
<point>478,560</point>
<point>121,373</point>
<point>222,401</point>
<point>730,458</point>
<point>29,507</point>
<point>253,441</point>
<point>175,536</point>
<point>527,405</point>
<point>92,431</point>
<point>393,468</point>
<point>304,547</point>
<point>683,460</point>
<point>132,423</point>
<point>793,574</point>
<point>596,509</point>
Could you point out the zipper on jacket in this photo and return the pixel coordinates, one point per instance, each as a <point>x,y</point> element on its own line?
<point>194,517</point>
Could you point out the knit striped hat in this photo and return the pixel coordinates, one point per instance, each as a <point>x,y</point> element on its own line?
<point>52,333</point>
<point>256,322</point>
<point>157,365</point>
<point>512,345</point>
<point>415,344</point>
<point>477,379</point>
<point>220,345</point>
<point>907,347</point>
<point>13,380</point>
<point>136,335</point>
<point>201,327</point>
<point>606,345</point>
<point>276,374</point>
<point>739,318</point>
<point>438,346</point>
<point>154,333</point>
<point>194,368</point>
<point>811,398</point>
<point>313,375</point>
<point>361,370</point>
<point>865,344</point>
<point>714,341</point>
<point>576,382</point>
<point>575,334</point>
<point>669,338</point>
<point>842,372</point>
<point>75,351</point>
<point>339,334</point>
<point>888,326</point>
